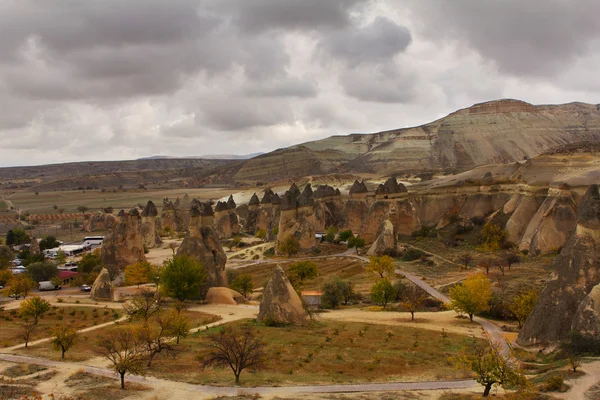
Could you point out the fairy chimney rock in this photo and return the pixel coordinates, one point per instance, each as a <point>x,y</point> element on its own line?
<point>280,303</point>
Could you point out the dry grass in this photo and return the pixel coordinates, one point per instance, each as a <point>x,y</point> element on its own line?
<point>69,200</point>
<point>344,268</point>
<point>84,348</point>
<point>95,387</point>
<point>330,352</point>
<point>22,370</point>
<point>80,317</point>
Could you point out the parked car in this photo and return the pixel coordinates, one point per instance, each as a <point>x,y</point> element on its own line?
<point>86,288</point>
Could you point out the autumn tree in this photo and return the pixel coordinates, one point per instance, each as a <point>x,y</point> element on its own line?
<point>179,325</point>
<point>155,338</point>
<point>522,305</point>
<point>383,292</point>
<point>302,271</point>
<point>492,236</point>
<point>491,367</point>
<point>63,338</point>
<point>412,299</point>
<point>5,277</point>
<point>138,273</point>
<point>472,295</point>
<point>145,304</point>
<point>124,350</point>
<point>34,307</point>
<point>290,245</point>
<point>20,285</point>
<point>237,348</point>
<point>261,234</point>
<point>182,277</point>
<point>243,284</point>
<point>383,265</point>
<point>6,256</point>
<point>27,329</point>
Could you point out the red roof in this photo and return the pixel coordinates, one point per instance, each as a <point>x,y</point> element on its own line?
<point>67,274</point>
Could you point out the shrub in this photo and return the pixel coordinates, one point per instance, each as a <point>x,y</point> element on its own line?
<point>411,254</point>
<point>554,383</point>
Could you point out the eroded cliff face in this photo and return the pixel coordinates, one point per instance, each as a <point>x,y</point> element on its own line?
<point>150,237</point>
<point>226,219</point>
<point>568,302</point>
<point>297,217</point>
<point>124,245</point>
<point>201,242</point>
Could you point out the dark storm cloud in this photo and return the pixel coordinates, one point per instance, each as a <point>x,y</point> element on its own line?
<point>531,38</point>
<point>101,79</point>
<point>377,42</point>
<point>264,15</point>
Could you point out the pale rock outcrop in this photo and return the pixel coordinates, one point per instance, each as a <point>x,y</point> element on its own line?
<point>202,243</point>
<point>167,216</point>
<point>390,189</point>
<point>124,245</point>
<point>587,317</point>
<point>150,237</point>
<point>102,288</point>
<point>577,272</point>
<point>226,219</point>
<point>250,224</point>
<point>268,217</point>
<point>34,247</point>
<point>549,228</point>
<point>100,222</point>
<point>386,240</point>
<point>297,217</point>
<point>280,303</point>
<point>224,295</point>
<point>329,208</point>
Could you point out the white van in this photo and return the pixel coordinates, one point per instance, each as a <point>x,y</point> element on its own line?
<point>47,285</point>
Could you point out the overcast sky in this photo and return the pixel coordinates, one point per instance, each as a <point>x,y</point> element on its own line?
<point>123,79</point>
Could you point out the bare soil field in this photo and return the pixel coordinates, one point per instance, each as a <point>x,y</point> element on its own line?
<point>331,352</point>
<point>80,317</point>
<point>69,200</point>
<point>345,268</point>
<point>85,345</point>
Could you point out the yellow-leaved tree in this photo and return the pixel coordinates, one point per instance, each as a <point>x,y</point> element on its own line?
<point>138,273</point>
<point>383,265</point>
<point>522,305</point>
<point>472,295</point>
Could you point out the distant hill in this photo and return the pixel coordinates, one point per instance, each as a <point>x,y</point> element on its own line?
<point>208,157</point>
<point>492,132</point>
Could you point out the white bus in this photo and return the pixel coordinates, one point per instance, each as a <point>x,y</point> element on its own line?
<point>93,240</point>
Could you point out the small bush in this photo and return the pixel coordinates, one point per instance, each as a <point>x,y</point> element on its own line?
<point>411,254</point>
<point>554,383</point>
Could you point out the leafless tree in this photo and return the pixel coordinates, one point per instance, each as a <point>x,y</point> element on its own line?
<point>145,304</point>
<point>156,337</point>
<point>466,259</point>
<point>413,298</point>
<point>237,348</point>
<point>124,350</point>
<point>27,332</point>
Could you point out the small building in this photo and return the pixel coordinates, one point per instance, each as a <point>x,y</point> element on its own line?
<point>66,276</point>
<point>312,298</point>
